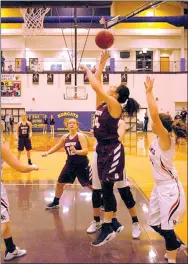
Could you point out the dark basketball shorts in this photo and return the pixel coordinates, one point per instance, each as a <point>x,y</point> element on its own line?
<point>82,171</point>
<point>110,162</point>
<point>24,142</point>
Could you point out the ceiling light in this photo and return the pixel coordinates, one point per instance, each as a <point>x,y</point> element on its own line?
<point>150,13</point>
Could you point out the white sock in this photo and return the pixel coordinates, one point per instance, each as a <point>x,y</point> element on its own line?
<point>171,261</point>
<point>107,221</point>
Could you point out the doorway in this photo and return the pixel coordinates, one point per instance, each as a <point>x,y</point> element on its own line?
<point>164,64</point>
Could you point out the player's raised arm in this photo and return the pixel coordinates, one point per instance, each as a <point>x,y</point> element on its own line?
<point>59,145</point>
<point>157,125</point>
<point>113,104</point>
<point>104,58</point>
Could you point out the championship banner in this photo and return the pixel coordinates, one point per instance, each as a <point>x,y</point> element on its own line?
<point>85,120</point>
<point>10,88</point>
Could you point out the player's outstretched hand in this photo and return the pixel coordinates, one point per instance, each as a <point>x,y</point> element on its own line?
<point>105,56</point>
<point>149,84</point>
<point>45,154</point>
<point>35,167</point>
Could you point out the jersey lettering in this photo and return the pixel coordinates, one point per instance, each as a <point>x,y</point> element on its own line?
<point>68,145</point>
<point>152,150</point>
<point>96,122</point>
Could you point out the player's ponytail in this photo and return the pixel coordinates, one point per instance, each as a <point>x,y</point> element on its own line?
<point>131,105</point>
<point>180,129</point>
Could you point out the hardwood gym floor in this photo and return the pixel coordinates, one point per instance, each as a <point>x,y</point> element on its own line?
<point>59,236</point>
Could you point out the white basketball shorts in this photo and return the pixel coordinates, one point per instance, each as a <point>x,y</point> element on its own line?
<point>4,205</point>
<point>167,205</point>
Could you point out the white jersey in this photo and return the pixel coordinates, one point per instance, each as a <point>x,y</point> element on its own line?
<point>162,162</point>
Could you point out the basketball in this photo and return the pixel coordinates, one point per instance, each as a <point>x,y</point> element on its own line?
<point>104,39</point>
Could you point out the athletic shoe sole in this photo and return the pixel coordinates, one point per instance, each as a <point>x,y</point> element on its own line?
<point>16,256</point>
<point>107,239</point>
<point>135,237</point>
<point>54,207</point>
<point>120,229</point>
<point>91,232</point>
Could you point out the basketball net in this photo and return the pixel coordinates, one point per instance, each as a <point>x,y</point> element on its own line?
<point>33,20</point>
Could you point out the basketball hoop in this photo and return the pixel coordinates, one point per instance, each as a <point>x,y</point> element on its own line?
<point>75,97</point>
<point>33,20</point>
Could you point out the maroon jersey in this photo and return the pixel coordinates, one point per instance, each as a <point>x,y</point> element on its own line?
<point>105,126</point>
<point>24,130</point>
<point>76,143</point>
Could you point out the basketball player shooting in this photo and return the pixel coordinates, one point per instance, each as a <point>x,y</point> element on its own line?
<point>111,157</point>
<point>122,186</point>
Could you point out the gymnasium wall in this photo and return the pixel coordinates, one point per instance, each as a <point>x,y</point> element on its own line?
<point>92,57</point>
<point>169,88</point>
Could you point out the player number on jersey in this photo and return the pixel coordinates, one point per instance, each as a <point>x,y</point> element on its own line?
<point>24,131</point>
<point>70,152</point>
<point>96,122</point>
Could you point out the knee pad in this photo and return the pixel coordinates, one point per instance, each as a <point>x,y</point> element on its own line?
<point>96,198</point>
<point>110,204</point>
<point>157,229</point>
<point>127,197</point>
<point>170,239</point>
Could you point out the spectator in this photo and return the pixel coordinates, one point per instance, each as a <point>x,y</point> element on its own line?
<point>7,122</point>
<point>126,69</point>
<point>3,118</point>
<point>183,114</point>
<point>11,120</point>
<point>2,63</point>
<point>2,124</point>
<point>146,120</point>
<point>10,68</point>
<point>178,116</point>
<point>29,118</point>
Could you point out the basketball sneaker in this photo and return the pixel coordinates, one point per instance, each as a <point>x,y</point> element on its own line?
<point>136,230</point>
<point>181,248</point>
<point>106,234</point>
<point>29,162</point>
<point>94,227</point>
<point>52,206</point>
<point>15,254</point>
<point>116,226</point>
